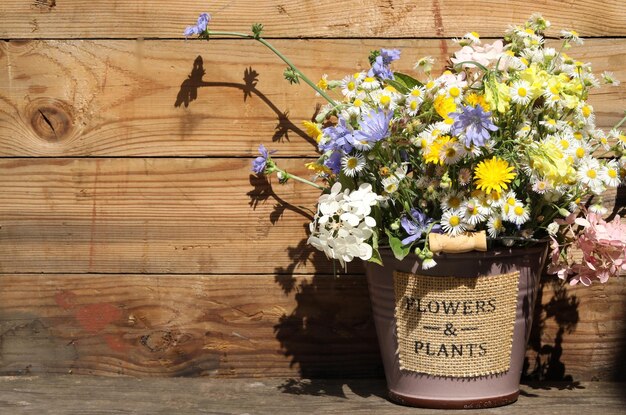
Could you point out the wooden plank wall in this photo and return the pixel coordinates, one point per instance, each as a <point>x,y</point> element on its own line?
<point>135,241</point>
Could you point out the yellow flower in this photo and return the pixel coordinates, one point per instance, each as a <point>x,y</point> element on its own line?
<point>318,168</point>
<point>497,96</point>
<point>323,83</point>
<point>444,106</point>
<point>475,99</point>
<point>432,154</point>
<point>312,130</point>
<point>493,175</point>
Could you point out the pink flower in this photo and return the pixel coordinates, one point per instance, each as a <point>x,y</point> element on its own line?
<point>603,247</point>
<point>484,55</point>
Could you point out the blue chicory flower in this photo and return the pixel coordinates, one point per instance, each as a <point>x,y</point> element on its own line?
<point>372,128</point>
<point>339,138</point>
<point>475,123</point>
<point>380,67</point>
<point>259,164</point>
<point>334,162</point>
<point>200,27</point>
<point>415,226</point>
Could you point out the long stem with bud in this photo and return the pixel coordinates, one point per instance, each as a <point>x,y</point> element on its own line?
<point>280,55</point>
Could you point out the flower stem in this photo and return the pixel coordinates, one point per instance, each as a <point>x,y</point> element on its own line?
<point>286,176</point>
<point>281,56</point>
<point>622,121</point>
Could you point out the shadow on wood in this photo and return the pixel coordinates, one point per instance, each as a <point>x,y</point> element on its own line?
<point>189,92</point>
<point>563,308</point>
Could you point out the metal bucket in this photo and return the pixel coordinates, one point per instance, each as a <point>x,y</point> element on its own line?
<point>423,390</point>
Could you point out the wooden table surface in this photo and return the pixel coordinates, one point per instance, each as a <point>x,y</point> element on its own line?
<point>66,394</point>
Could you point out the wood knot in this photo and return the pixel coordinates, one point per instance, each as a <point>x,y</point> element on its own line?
<point>45,5</point>
<point>50,119</point>
<point>158,341</point>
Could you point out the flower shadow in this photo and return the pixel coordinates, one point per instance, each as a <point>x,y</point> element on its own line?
<point>188,93</point>
<point>330,332</point>
<point>547,367</point>
<point>329,335</point>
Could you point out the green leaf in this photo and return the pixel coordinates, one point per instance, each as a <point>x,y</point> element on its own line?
<point>376,258</point>
<point>407,80</point>
<point>395,244</point>
<point>400,87</point>
<point>346,182</point>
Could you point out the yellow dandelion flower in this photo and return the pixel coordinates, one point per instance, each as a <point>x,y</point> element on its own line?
<point>475,99</point>
<point>312,130</point>
<point>444,106</point>
<point>432,154</point>
<point>493,175</point>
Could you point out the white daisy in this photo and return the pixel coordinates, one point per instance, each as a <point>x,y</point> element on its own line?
<point>598,209</point>
<point>585,111</point>
<point>521,92</point>
<point>451,200</point>
<point>354,111</point>
<point>473,215</point>
<point>618,136</point>
<point>352,165</point>
<point>580,150</point>
<point>451,152</point>
<point>525,131</point>
<point>518,214</point>
<point>425,64</point>
<point>541,186</point>
<point>572,36</point>
<point>609,79</point>
<point>452,222</point>
<point>414,99</point>
<point>601,138</point>
<point>509,202</point>
<point>370,83</point>
<point>384,99</point>
<point>390,184</point>
<point>609,173</point>
<point>564,141</point>
<point>349,87</point>
<point>550,124</point>
<point>428,263</point>
<point>589,174</point>
<point>495,226</point>
<point>496,199</point>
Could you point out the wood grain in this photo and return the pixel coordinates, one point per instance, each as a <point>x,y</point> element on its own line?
<point>192,325</point>
<point>292,18</point>
<point>87,395</point>
<point>153,216</point>
<point>261,325</point>
<point>144,98</point>
<point>579,332</point>
<point>165,215</point>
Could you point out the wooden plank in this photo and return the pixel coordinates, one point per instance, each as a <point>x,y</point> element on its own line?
<point>261,325</point>
<point>61,395</point>
<point>579,332</point>
<point>192,325</point>
<point>143,98</point>
<point>159,216</point>
<point>292,18</point>
<point>153,216</point>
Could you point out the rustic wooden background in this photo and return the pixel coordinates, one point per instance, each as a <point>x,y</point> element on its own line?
<point>135,241</point>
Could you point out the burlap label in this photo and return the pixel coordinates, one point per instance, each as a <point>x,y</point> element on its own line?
<point>458,327</point>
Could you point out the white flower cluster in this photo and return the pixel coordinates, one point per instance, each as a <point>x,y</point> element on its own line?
<point>342,225</point>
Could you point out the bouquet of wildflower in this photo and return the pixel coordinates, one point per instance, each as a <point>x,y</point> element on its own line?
<point>503,142</point>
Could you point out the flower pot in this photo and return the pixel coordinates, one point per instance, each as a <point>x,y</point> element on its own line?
<point>459,343</point>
